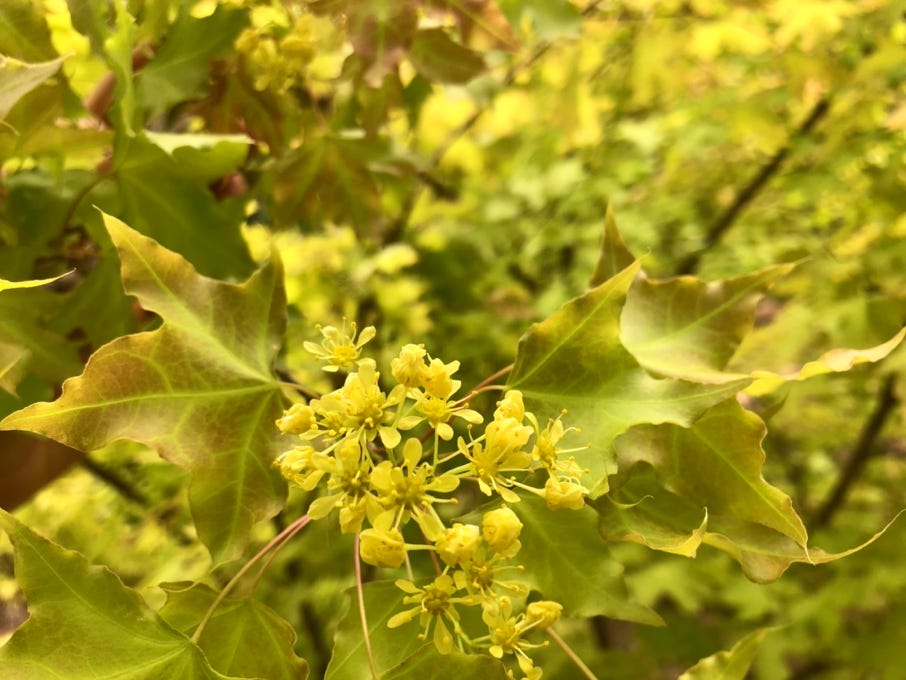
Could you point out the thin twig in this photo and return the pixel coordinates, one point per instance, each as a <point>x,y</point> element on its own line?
<point>279,539</point>
<point>586,671</point>
<point>748,193</point>
<point>885,404</point>
<point>363,617</point>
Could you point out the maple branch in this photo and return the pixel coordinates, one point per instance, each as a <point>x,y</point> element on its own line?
<point>725,220</point>
<point>885,403</point>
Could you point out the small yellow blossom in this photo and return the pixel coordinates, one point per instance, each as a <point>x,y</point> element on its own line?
<point>543,614</point>
<point>298,419</point>
<point>407,493</point>
<point>561,494</point>
<point>382,547</point>
<point>437,379</point>
<point>458,544</point>
<point>506,633</point>
<point>434,603</point>
<point>500,529</point>
<point>339,348</point>
<point>510,406</point>
<point>409,367</point>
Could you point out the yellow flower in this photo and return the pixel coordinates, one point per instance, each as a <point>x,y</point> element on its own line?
<point>506,436</point>
<point>298,419</point>
<point>298,466</point>
<point>406,493</point>
<point>409,367</point>
<point>438,412</point>
<point>500,529</point>
<point>339,348</point>
<point>546,450</point>
<point>437,379</point>
<point>488,465</point>
<point>349,483</point>
<point>433,603</point>
<point>543,614</point>
<point>562,494</point>
<point>366,405</point>
<point>382,547</point>
<point>457,544</point>
<point>510,406</point>
<point>506,633</point>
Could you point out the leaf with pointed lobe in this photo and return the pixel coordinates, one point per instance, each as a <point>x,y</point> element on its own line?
<point>575,360</point>
<point>199,389</point>
<point>686,328</point>
<point>84,624</point>
<point>244,637</point>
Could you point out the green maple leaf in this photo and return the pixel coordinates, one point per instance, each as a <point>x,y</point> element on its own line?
<point>575,360</point>
<point>244,637</point>
<point>84,623</point>
<point>199,389</point>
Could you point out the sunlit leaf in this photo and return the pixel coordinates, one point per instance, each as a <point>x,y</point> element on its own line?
<point>84,623</point>
<point>615,256</point>
<point>765,554</point>
<point>199,389</point>
<point>732,664</point>
<point>834,361</point>
<point>566,560</point>
<point>18,79</point>
<point>202,155</point>
<point>243,637</point>
<point>717,464</point>
<point>34,283</point>
<point>686,328</point>
<point>574,360</point>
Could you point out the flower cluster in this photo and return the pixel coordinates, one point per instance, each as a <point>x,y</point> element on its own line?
<point>365,448</point>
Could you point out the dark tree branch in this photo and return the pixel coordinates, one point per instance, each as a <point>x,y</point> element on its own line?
<point>115,481</point>
<point>865,446</point>
<point>748,193</point>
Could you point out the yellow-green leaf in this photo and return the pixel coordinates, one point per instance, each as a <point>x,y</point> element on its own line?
<point>243,637</point>
<point>834,361</point>
<point>732,664</point>
<point>199,389</point>
<point>717,464</point>
<point>686,328</point>
<point>84,624</point>
<point>18,79</point>
<point>575,360</point>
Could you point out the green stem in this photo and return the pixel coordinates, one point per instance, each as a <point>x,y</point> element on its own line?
<point>586,671</point>
<point>280,538</point>
<point>362,616</point>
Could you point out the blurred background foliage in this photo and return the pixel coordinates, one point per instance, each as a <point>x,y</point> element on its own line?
<point>441,169</point>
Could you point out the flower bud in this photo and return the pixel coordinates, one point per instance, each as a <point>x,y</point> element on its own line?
<point>458,544</point>
<point>299,418</point>
<point>510,406</point>
<point>382,547</point>
<point>501,528</point>
<point>409,367</point>
<point>560,494</point>
<point>543,614</point>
